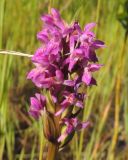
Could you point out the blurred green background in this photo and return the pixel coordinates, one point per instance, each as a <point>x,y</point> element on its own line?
<point>21,137</point>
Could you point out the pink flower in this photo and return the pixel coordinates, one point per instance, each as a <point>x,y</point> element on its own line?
<point>64,62</point>
<point>72,125</point>
<point>87,76</point>
<point>37,105</point>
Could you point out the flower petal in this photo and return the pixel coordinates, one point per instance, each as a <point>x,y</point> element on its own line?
<point>69,82</point>
<point>86,78</point>
<point>94,67</point>
<point>89,26</point>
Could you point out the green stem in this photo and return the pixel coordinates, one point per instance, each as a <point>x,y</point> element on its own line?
<point>97,14</point>
<point>49,6</point>
<point>52,151</point>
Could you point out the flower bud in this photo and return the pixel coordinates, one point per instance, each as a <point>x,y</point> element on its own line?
<point>49,127</point>
<point>50,105</point>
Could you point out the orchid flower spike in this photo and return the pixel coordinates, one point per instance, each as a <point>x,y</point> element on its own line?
<point>63,64</point>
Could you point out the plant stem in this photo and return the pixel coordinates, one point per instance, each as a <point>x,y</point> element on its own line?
<point>97,14</point>
<point>52,151</point>
<point>49,6</point>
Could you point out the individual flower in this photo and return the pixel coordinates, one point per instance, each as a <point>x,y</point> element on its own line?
<point>37,105</point>
<point>72,125</point>
<point>87,76</point>
<point>70,99</point>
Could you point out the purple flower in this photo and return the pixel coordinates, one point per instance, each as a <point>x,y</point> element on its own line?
<point>72,125</point>
<point>71,99</point>
<point>37,105</point>
<point>64,64</point>
<point>87,76</point>
<point>87,35</point>
<point>46,78</point>
<point>48,55</point>
<point>53,20</point>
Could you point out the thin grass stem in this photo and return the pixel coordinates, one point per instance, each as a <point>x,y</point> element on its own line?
<point>15,53</point>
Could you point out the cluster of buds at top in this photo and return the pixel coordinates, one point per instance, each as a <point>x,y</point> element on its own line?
<point>63,66</point>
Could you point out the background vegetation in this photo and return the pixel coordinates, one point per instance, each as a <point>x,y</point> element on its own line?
<point>21,136</point>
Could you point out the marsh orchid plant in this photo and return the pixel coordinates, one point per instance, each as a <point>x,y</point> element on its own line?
<point>64,65</point>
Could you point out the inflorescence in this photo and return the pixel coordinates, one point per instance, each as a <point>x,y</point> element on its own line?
<point>64,64</point>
